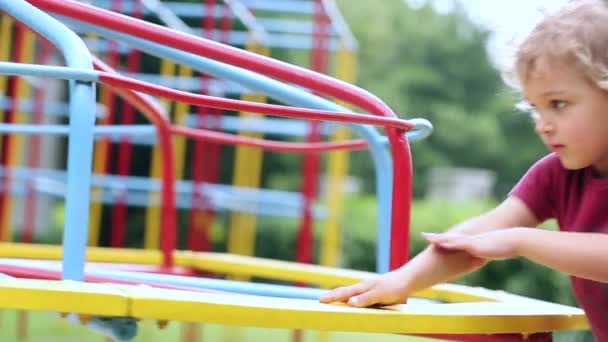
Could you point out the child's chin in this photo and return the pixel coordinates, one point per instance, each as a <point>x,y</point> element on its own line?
<point>572,164</point>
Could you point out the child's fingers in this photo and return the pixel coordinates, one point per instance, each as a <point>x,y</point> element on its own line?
<point>374,296</point>
<point>455,244</point>
<point>365,299</point>
<point>450,242</point>
<point>335,295</point>
<point>440,238</point>
<point>342,294</point>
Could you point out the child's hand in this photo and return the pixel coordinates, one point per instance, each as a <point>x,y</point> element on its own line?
<point>495,245</point>
<point>386,289</point>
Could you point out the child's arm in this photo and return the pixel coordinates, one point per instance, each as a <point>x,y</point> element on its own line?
<point>433,265</point>
<point>583,255</point>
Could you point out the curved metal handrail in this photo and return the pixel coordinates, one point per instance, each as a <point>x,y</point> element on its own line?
<point>82,116</point>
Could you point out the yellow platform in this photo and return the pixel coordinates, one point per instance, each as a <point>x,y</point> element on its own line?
<point>519,316</point>
<point>468,310</point>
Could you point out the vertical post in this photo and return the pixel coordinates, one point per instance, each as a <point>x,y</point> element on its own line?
<point>80,152</point>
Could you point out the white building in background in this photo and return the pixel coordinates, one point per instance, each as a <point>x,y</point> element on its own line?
<point>460,184</point>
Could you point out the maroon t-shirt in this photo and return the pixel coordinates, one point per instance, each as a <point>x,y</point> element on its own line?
<point>579,203</point>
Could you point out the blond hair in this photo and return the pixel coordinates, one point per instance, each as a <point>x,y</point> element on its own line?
<point>578,33</point>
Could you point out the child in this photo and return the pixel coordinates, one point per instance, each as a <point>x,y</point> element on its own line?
<point>562,71</point>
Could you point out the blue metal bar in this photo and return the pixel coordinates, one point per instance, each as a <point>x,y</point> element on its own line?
<point>135,191</point>
<point>281,127</point>
<point>79,168</point>
<point>140,183</point>
<point>196,10</point>
<point>239,38</point>
<point>337,28</point>
<point>347,39</point>
<point>78,72</point>
<point>102,130</point>
<point>249,288</point>
<point>51,108</point>
<point>248,19</point>
<point>82,117</point>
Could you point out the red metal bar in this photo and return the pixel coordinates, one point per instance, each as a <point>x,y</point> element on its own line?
<point>39,273</point>
<point>14,107</point>
<point>202,215</point>
<point>276,146</point>
<point>154,114</point>
<point>311,160</point>
<point>119,81</point>
<point>12,93</point>
<point>154,269</point>
<point>113,58</point>
<point>33,158</point>
<point>538,337</point>
<point>119,211</point>
<point>211,173</point>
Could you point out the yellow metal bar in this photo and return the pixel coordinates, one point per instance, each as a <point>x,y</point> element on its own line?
<point>152,229</point>
<point>181,115</point>
<point>63,296</point>
<point>99,166</point>
<point>6,24</point>
<point>338,162</point>
<point>93,254</point>
<point>247,173</point>
<point>99,162</point>
<point>16,152</point>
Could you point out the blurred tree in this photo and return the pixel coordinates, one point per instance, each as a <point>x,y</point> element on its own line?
<point>426,64</point>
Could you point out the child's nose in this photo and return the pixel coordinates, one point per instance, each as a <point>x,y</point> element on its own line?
<point>543,127</point>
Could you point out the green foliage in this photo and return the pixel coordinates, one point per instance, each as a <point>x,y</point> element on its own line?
<point>426,216</point>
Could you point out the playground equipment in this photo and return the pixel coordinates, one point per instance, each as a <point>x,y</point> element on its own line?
<point>160,284</point>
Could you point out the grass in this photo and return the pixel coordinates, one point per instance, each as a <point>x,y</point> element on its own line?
<point>44,327</point>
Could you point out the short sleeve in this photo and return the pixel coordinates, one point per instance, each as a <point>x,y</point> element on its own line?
<point>537,188</point>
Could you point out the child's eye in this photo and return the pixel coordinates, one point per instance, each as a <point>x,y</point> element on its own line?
<point>558,104</point>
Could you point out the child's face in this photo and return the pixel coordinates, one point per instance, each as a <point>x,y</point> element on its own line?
<point>571,114</point>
